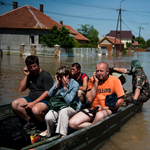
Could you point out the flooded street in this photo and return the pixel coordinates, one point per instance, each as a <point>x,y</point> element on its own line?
<point>135,134</point>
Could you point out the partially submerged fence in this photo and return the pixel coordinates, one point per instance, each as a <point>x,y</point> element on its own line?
<point>47,51</point>
<point>78,51</point>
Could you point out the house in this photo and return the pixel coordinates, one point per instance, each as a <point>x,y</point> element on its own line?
<point>79,37</point>
<point>107,44</point>
<point>136,44</point>
<point>25,25</point>
<point>126,36</point>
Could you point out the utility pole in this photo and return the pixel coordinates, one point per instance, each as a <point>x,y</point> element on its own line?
<point>119,19</point>
<point>140,30</point>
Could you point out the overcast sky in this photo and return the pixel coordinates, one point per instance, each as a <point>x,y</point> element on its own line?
<point>102,14</point>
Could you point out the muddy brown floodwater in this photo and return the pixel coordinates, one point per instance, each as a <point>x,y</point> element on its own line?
<point>135,134</point>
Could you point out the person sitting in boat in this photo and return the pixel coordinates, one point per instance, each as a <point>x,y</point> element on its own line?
<point>39,82</point>
<point>67,88</point>
<point>140,84</point>
<point>82,79</point>
<point>100,85</point>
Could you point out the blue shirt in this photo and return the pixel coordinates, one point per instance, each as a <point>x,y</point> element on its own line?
<point>70,94</point>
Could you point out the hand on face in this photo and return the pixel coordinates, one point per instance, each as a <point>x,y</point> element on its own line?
<point>95,77</point>
<point>26,71</point>
<point>65,81</point>
<point>102,72</point>
<point>62,79</point>
<point>58,80</point>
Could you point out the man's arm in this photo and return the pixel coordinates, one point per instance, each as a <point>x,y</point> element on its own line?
<point>119,102</point>
<point>90,95</point>
<point>42,97</point>
<point>122,70</point>
<point>85,84</point>
<point>136,95</point>
<point>23,83</point>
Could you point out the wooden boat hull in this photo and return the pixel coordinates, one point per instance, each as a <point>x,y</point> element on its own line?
<point>94,136</point>
<point>91,137</point>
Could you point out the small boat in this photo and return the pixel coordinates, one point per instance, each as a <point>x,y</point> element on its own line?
<point>91,137</point>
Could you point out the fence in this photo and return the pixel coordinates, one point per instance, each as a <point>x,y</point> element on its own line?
<point>78,52</point>
<point>70,52</point>
<point>47,51</point>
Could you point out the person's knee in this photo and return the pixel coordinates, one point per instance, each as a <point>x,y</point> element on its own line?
<point>47,117</point>
<point>81,93</point>
<point>73,124</point>
<point>99,116</point>
<point>15,104</point>
<point>36,111</point>
<point>51,117</point>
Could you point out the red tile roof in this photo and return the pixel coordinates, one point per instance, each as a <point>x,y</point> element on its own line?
<point>136,43</point>
<point>27,17</point>
<point>111,39</point>
<point>30,17</point>
<point>124,34</point>
<point>78,36</point>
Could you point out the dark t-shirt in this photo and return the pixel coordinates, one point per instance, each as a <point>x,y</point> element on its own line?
<point>38,84</point>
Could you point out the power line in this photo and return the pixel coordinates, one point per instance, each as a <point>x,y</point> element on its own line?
<point>80,16</point>
<point>129,28</point>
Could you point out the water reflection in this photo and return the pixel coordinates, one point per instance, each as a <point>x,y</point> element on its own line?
<point>134,135</point>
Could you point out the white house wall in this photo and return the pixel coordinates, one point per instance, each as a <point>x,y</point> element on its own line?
<point>106,42</point>
<point>126,40</point>
<point>10,39</point>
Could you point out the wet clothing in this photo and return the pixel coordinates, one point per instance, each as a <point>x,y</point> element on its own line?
<point>140,81</point>
<point>109,86</point>
<point>38,84</point>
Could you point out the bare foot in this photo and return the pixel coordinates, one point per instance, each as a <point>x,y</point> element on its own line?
<point>44,133</point>
<point>62,136</point>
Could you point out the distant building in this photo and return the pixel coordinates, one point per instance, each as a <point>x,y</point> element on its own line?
<point>79,37</point>
<point>107,44</point>
<point>25,25</point>
<point>126,36</point>
<point>136,44</point>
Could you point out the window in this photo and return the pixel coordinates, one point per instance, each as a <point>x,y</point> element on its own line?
<point>32,38</point>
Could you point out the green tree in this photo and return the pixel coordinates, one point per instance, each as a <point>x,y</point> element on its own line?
<point>84,30</point>
<point>141,41</point>
<point>77,44</point>
<point>129,44</point>
<point>148,43</point>
<point>91,33</point>
<point>58,36</point>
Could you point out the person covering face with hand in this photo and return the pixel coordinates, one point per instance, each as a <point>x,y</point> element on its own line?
<point>67,88</point>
